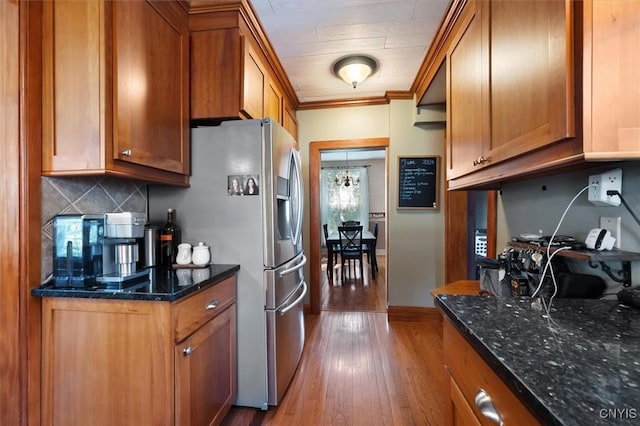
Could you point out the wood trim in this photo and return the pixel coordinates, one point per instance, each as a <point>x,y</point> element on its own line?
<point>413,314</point>
<point>314,205</point>
<point>353,102</point>
<point>492,223</point>
<point>30,204</point>
<point>12,343</point>
<point>20,118</point>
<point>436,53</point>
<point>455,231</point>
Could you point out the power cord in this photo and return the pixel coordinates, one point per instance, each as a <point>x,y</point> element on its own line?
<point>624,203</point>
<point>551,255</point>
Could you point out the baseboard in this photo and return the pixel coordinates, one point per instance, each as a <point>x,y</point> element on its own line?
<point>414,314</point>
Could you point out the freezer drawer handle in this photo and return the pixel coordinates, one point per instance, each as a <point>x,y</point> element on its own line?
<point>292,305</point>
<point>187,351</point>
<point>295,268</point>
<point>213,304</point>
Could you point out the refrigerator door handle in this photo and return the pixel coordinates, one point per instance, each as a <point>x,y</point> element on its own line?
<point>297,232</point>
<point>295,268</point>
<point>292,305</point>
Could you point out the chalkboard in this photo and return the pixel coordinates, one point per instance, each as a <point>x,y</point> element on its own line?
<point>418,182</point>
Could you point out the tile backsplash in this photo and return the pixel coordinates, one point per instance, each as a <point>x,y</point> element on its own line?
<point>85,195</point>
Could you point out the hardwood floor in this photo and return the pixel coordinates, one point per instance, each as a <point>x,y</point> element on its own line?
<point>355,294</point>
<point>359,369</point>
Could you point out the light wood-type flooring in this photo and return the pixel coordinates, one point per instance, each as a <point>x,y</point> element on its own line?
<point>357,368</point>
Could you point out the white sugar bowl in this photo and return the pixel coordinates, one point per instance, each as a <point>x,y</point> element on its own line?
<point>201,255</point>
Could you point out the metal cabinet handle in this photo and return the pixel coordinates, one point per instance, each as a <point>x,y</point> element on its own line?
<point>213,304</point>
<point>486,406</point>
<point>479,160</point>
<point>187,351</point>
<point>127,153</point>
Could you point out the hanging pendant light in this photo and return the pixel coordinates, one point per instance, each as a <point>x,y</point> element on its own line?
<point>346,178</point>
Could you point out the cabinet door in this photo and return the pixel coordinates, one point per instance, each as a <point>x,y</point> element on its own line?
<point>531,74</point>
<point>151,85</point>
<point>467,88</point>
<point>612,65</point>
<point>74,81</point>
<point>289,120</point>
<point>273,101</point>
<point>216,62</point>
<point>206,372</point>
<point>253,83</point>
<point>459,413</point>
<point>106,362</point>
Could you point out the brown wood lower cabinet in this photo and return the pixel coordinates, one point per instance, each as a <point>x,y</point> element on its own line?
<point>472,377</point>
<point>133,362</point>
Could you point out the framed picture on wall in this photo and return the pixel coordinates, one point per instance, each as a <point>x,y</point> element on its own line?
<point>418,182</point>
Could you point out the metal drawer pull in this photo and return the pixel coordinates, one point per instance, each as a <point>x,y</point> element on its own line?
<point>213,304</point>
<point>127,153</point>
<point>486,407</point>
<point>187,351</point>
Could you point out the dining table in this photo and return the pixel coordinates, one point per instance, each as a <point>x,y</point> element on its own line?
<point>367,238</point>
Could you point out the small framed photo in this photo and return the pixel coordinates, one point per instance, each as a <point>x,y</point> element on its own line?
<point>243,185</point>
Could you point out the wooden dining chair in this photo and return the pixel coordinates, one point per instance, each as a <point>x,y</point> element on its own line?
<point>350,248</point>
<point>370,249</point>
<point>335,248</point>
<point>351,223</point>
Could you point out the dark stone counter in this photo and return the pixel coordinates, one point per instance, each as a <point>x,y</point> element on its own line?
<point>161,285</point>
<point>580,365</point>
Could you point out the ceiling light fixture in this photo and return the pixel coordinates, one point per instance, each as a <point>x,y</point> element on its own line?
<point>355,69</point>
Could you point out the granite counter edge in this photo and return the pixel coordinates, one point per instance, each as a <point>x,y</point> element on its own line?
<point>120,295</point>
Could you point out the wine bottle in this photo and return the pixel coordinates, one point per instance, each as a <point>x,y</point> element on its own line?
<point>169,240</point>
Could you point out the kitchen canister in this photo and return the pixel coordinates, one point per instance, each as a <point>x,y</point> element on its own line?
<point>201,255</point>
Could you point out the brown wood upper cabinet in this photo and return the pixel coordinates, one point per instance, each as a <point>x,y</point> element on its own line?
<point>116,90</point>
<point>612,66</point>
<point>227,74</point>
<point>510,87</point>
<point>540,87</point>
<point>232,76</point>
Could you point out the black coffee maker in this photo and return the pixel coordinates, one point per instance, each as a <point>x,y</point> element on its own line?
<point>97,248</point>
<point>77,249</point>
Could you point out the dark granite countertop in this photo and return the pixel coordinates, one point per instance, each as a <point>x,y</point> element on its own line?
<point>578,366</point>
<point>161,285</point>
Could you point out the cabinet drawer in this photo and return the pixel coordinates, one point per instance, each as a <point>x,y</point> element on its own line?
<point>196,310</point>
<point>471,374</point>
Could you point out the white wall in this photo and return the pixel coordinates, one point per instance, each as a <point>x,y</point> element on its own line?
<point>538,204</point>
<point>415,260</point>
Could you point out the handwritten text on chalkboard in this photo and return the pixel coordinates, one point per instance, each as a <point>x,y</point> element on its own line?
<point>418,182</point>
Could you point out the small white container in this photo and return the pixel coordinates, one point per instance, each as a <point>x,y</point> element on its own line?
<point>184,254</point>
<point>201,255</point>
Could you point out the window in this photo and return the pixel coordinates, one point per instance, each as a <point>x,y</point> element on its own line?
<point>340,203</point>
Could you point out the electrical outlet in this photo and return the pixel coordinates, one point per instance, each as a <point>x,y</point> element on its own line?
<point>600,184</point>
<point>612,224</point>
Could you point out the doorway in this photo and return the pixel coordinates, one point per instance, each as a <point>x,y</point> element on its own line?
<point>318,276</point>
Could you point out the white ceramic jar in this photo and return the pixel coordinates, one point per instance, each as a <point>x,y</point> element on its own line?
<point>184,254</point>
<point>201,255</point>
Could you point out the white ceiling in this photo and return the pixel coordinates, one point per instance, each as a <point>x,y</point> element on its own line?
<point>310,35</point>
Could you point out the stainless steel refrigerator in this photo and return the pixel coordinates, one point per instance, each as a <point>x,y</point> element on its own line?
<point>245,201</point>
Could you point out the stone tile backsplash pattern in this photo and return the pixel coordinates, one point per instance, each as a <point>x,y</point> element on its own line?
<point>85,195</point>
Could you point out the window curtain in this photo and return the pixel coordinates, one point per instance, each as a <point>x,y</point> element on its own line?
<point>339,203</point>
